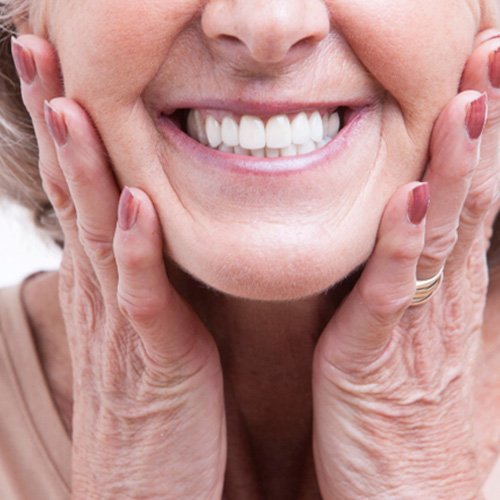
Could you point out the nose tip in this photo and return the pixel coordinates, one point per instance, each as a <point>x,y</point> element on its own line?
<point>267,31</point>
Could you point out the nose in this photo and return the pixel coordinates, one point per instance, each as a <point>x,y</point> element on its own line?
<point>267,31</point>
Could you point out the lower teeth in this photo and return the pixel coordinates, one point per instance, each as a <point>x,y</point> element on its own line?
<point>292,150</point>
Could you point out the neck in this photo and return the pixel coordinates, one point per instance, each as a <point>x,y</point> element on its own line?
<point>257,334</point>
<point>266,351</point>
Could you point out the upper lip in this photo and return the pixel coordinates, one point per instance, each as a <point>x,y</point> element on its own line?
<point>260,108</point>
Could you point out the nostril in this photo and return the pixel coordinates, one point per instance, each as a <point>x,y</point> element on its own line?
<point>230,39</point>
<point>304,45</point>
<point>268,30</point>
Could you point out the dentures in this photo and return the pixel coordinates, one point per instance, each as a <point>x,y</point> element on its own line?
<point>273,137</point>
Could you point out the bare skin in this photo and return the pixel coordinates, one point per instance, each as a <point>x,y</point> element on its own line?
<point>278,432</point>
<point>281,439</point>
<point>145,366</point>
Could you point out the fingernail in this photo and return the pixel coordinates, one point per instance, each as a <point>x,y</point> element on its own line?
<point>418,203</point>
<point>56,123</point>
<point>476,117</point>
<point>494,68</point>
<point>23,61</point>
<point>492,37</point>
<point>128,208</point>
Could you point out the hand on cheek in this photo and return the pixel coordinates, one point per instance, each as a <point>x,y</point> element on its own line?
<point>142,361</point>
<point>392,383</point>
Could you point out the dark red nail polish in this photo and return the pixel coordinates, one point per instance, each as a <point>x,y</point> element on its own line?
<point>23,61</point>
<point>476,117</point>
<point>57,125</point>
<point>494,68</point>
<point>128,208</point>
<point>418,203</point>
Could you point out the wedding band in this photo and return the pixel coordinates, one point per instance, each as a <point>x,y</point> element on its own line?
<point>425,289</point>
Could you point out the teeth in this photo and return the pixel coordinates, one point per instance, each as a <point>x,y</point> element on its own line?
<point>325,122</point>
<point>308,147</point>
<point>301,129</point>
<point>229,132</point>
<point>316,126</point>
<point>196,127</point>
<point>289,151</point>
<point>252,133</point>
<point>261,153</point>
<point>214,135</point>
<point>333,125</point>
<point>278,132</point>
<point>225,148</point>
<point>241,151</point>
<point>252,136</point>
<point>272,153</point>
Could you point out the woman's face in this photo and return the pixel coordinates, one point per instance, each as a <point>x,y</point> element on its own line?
<point>265,228</point>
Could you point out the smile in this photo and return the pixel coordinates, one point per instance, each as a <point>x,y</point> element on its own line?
<point>272,137</point>
<point>262,142</point>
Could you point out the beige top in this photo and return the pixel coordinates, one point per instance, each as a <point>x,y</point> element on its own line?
<point>35,450</point>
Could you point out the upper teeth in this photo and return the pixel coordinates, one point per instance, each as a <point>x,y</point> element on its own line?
<point>250,135</point>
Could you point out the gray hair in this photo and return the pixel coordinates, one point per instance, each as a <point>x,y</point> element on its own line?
<point>19,175</point>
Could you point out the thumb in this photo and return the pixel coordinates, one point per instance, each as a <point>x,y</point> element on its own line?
<point>362,327</point>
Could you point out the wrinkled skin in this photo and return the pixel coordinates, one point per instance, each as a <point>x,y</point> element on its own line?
<point>393,387</point>
<point>370,51</point>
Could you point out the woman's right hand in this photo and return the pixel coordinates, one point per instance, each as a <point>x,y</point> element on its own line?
<point>148,414</point>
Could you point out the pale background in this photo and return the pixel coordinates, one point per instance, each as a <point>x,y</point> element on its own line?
<point>22,250</point>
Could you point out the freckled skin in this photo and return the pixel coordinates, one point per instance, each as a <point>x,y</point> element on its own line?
<point>248,237</point>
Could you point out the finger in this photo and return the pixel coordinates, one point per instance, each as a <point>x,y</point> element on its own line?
<point>91,184</point>
<point>454,153</point>
<point>482,73</point>
<point>38,70</point>
<point>167,326</point>
<point>486,35</point>
<point>362,328</point>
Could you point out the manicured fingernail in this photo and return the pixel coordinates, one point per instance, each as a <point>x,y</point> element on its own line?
<point>24,61</point>
<point>494,68</point>
<point>418,203</point>
<point>57,125</point>
<point>476,117</point>
<point>492,37</point>
<point>128,208</point>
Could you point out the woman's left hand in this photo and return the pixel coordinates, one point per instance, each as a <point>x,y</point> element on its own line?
<point>393,384</point>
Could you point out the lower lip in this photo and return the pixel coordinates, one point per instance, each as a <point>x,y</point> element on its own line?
<point>265,166</point>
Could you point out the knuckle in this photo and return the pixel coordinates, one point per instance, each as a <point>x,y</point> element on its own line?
<point>133,256</point>
<point>439,244</point>
<point>480,201</point>
<point>140,309</point>
<point>384,303</point>
<point>432,260</point>
<point>96,246</point>
<point>66,210</point>
<point>406,253</point>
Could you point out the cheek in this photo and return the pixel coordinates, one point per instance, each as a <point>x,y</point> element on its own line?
<point>120,43</point>
<point>416,50</point>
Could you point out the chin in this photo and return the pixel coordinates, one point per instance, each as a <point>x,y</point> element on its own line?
<point>275,272</point>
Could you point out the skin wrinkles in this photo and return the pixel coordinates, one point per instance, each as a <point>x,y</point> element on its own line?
<point>389,52</point>
<point>298,233</point>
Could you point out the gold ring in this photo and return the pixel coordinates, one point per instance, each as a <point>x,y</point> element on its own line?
<point>425,289</point>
